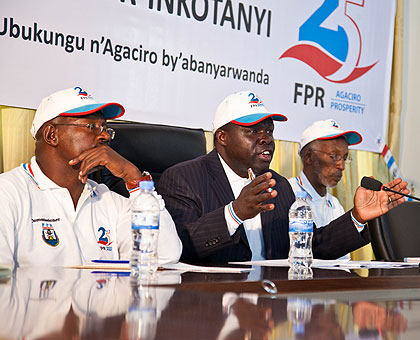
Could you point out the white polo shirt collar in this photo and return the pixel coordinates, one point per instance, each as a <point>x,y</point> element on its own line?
<point>44,183</point>
<point>313,195</point>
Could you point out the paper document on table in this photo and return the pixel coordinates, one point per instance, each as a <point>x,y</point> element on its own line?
<point>342,264</point>
<point>124,266</point>
<point>377,264</point>
<point>192,268</point>
<point>362,264</point>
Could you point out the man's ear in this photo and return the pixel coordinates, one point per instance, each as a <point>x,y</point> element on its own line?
<point>49,134</point>
<point>307,156</point>
<point>221,137</point>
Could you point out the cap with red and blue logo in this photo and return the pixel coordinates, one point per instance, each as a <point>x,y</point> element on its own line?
<point>72,102</point>
<point>242,108</point>
<point>327,129</point>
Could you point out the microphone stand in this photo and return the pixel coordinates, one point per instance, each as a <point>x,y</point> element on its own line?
<point>399,193</point>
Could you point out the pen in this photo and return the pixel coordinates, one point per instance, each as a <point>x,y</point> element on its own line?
<point>111,261</point>
<point>251,176</point>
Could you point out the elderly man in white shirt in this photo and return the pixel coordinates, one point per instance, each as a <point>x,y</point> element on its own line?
<point>324,152</point>
<point>51,213</point>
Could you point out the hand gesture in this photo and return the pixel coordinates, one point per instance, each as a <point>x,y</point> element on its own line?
<point>104,156</point>
<point>250,201</point>
<point>369,204</point>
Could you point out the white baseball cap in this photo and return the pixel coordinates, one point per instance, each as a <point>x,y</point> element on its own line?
<point>72,102</point>
<point>242,108</point>
<point>327,129</point>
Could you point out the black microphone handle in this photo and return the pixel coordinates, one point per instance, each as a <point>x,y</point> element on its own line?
<point>400,193</point>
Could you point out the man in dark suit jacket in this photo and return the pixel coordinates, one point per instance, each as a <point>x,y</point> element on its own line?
<point>199,196</point>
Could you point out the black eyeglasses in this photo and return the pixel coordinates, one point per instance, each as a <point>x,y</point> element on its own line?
<point>96,129</point>
<point>336,158</point>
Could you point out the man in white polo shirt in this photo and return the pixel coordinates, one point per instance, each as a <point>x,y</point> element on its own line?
<point>51,213</point>
<point>324,149</point>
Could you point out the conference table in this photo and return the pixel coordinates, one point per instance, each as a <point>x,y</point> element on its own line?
<point>67,303</point>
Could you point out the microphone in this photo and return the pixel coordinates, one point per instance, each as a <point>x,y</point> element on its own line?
<point>373,184</point>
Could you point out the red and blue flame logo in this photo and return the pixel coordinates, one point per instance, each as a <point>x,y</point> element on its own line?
<point>254,99</point>
<point>328,51</point>
<point>81,92</point>
<point>104,237</point>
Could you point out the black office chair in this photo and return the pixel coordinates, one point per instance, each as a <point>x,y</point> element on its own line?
<point>151,147</point>
<point>396,234</point>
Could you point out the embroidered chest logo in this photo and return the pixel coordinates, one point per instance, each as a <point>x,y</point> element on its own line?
<point>104,239</point>
<point>49,235</point>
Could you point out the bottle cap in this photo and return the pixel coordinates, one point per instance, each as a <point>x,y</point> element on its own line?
<point>146,185</point>
<point>301,194</point>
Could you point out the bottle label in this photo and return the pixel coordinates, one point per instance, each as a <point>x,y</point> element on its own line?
<point>138,227</point>
<point>300,225</point>
<point>144,221</point>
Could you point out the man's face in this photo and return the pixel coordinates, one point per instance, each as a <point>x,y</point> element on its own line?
<point>327,171</point>
<point>74,139</point>
<point>249,147</point>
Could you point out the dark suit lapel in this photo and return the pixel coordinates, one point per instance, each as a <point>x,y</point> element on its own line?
<point>220,182</point>
<point>222,186</point>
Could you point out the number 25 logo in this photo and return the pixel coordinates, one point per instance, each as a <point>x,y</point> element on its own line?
<point>104,237</point>
<point>317,43</point>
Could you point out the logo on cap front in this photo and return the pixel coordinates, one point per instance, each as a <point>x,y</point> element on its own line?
<point>255,101</point>
<point>335,124</point>
<point>82,94</point>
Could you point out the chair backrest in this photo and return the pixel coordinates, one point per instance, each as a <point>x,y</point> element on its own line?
<point>151,147</point>
<point>396,234</point>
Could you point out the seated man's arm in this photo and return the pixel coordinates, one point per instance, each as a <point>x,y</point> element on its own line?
<point>202,231</point>
<point>104,156</point>
<point>342,232</point>
<point>169,245</point>
<point>338,238</point>
<point>8,223</point>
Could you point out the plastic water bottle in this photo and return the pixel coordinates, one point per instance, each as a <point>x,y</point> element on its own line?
<point>300,234</point>
<point>145,212</point>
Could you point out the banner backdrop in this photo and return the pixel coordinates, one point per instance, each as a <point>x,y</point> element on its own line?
<point>173,61</point>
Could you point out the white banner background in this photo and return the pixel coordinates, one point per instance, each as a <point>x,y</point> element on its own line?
<point>169,94</point>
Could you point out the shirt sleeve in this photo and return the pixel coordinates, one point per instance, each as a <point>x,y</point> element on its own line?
<point>8,223</point>
<point>359,226</point>
<point>232,220</point>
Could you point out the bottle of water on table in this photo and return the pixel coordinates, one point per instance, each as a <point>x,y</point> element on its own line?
<point>145,212</point>
<point>300,234</point>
